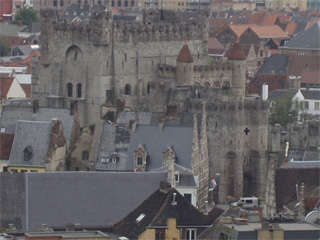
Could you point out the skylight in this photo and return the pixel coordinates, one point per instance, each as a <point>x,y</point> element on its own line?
<point>142,215</point>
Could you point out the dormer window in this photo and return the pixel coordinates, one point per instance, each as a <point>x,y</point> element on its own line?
<point>177,177</point>
<point>27,153</point>
<point>139,161</point>
<point>114,158</point>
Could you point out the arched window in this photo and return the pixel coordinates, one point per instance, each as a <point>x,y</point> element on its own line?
<point>69,89</point>
<point>127,90</point>
<point>226,88</point>
<point>79,89</point>
<point>207,84</point>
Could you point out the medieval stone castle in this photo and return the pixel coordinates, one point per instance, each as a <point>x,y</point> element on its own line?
<point>102,67</point>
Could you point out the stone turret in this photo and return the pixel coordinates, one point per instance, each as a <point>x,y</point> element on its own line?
<point>238,59</point>
<point>184,66</point>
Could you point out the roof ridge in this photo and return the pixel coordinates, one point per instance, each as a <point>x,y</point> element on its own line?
<point>163,206</point>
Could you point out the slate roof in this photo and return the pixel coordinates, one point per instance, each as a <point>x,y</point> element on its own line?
<point>157,141</point>
<point>142,117</point>
<point>38,137</point>
<point>276,64</point>
<point>281,94</point>
<point>309,94</point>
<point>308,39</point>
<point>25,49</point>
<point>300,63</point>
<point>10,29</point>
<point>6,141</point>
<point>75,10</point>
<point>32,28</point>
<point>23,78</point>
<point>10,115</point>
<point>185,54</point>
<point>236,53</point>
<point>186,177</point>
<point>89,198</point>
<point>127,18</point>
<point>157,209</point>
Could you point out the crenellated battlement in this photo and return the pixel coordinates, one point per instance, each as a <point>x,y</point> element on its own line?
<point>98,29</point>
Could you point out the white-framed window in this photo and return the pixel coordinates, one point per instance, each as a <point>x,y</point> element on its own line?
<point>177,177</point>
<point>317,106</point>
<point>190,234</point>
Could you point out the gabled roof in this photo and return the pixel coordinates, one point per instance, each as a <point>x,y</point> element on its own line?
<point>6,141</point>
<point>236,53</point>
<point>238,29</point>
<point>157,141</point>
<point>10,116</point>
<point>270,19</point>
<point>185,54</point>
<point>275,64</point>
<point>269,31</point>
<point>308,39</point>
<point>157,209</point>
<point>30,134</point>
<point>93,199</point>
<point>257,18</point>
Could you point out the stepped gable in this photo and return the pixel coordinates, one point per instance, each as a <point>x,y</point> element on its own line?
<point>185,55</point>
<point>237,53</point>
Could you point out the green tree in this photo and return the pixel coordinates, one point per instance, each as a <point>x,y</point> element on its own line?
<point>27,15</point>
<point>4,48</point>
<point>285,110</point>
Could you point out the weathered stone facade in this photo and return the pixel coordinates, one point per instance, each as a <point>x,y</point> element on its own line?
<point>103,62</point>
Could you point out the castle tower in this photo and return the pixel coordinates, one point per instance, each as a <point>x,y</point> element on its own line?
<point>238,85</point>
<point>184,66</point>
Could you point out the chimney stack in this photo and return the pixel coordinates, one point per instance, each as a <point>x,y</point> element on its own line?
<point>265,92</point>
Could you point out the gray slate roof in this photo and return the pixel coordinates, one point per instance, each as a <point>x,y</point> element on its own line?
<point>32,28</point>
<point>186,177</point>
<point>11,30</point>
<point>34,134</point>
<point>314,95</point>
<point>303,155</point>
<point>178,137</point>
<point>281,94</point>
<point>308,39</point>
<point>10,115</point>
<point>88,198</point>
<point>276,63</point>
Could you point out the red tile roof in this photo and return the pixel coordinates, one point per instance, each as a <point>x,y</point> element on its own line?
<point>291,28</point>
<point>257,18</point>
<point>268,31</point>
<point>300,63</point>
<point>185,55</point>
<point>5,84</point>
<point>237,53</point>
<point>213,43</point>
<point>310,77</point>
<point>273,81</point>
<point>240,28</point>
<point>27,89</point>
<point>270,20</point>
<point>6,141</point>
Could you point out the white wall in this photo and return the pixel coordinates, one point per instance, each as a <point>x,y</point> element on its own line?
<point>16,91</point>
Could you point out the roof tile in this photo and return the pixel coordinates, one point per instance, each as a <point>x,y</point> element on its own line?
<point>185,55</point>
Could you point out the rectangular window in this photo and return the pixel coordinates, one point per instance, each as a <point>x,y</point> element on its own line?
<point>23,171</point>
<point>190,234</point>
<point>306,105</point>
<point>160,234</point>
<point>34,171</point>
<point>61,3</point>
<point>126,3</point>
<point>112,3</point>
<point>55,3</point>
<point>317,106</point>
<point>119,3</point>
<point>132,3</point>
<point>139,161</point>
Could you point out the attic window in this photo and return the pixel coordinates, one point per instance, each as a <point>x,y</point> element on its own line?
<point>142,215</point>
<point>27,153</point>
<point>139,161</point>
